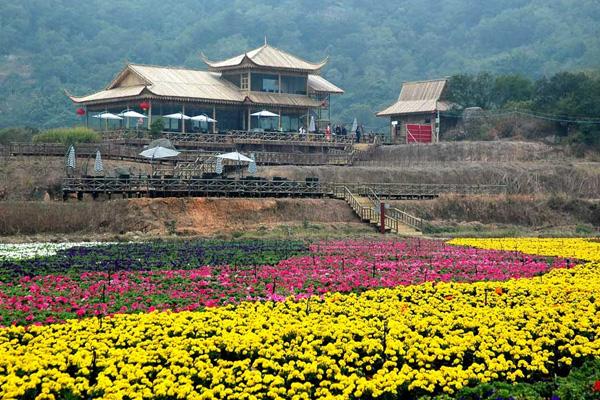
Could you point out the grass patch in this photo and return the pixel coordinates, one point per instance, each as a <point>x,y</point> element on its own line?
<point>68,136</point>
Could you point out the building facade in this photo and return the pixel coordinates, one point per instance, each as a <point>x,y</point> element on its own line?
<point>415,116</point>
<point>229,91</point>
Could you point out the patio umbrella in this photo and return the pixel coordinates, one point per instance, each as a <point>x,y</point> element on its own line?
<point>159,152</point>
<point>354,126</point>
<point>219,166</point>
<point>252,165</point>
<point>235,156</point>
<point>179,116</point>
<point>311,126</point>
<point>106,116</point>
<point>264,114</point>
<point>131,114</point>
<point>203,118</point>
<point>98,167</point>
<point>71,160</point>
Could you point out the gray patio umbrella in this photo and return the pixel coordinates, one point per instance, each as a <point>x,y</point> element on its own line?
<point>71,160</point>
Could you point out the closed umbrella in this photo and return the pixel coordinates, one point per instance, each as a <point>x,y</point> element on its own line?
<point>71,163</point>
<point>252,166</point>
<point>354,126</point>
<point>219,166</point>
<point>311,126</point>
<point>98,167</point>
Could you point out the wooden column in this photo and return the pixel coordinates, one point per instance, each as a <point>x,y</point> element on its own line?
<point>249,119</point>
<point>182,120</point>
<point>214,124</point>
<point>279,123</point>
<point>149,114</point>
<point>279,84</point>
<point>87,117</point>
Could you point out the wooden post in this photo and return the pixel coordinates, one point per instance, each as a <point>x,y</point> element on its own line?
<point>249,119</point>
<point>382,217</point>
<point>214,129</point>
<point>279,122</point>
<point>149,114</point>
<point>182,120</point>
<point>87,117</point>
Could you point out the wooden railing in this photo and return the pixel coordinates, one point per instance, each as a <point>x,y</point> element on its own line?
<point>113,150</point>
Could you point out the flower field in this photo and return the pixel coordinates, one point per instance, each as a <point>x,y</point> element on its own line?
<point>351,320</point>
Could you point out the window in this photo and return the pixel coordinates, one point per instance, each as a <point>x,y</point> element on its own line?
<point>293,84</point>
<point>265,83</point>
<point>244,82</point>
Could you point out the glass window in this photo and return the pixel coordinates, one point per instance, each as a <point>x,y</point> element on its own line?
<point>244,82</point>
<point>234,78</point>
<point>265,83</point>
<point>293,84</point>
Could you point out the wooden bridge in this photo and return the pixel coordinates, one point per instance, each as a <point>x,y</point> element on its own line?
<point>147,186</point>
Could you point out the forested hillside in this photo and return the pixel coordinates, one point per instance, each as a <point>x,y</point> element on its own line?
<point>47,46</point>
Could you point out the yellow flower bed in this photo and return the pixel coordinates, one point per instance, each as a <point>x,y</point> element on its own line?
<point>415,339</point>
<point>583,249</point>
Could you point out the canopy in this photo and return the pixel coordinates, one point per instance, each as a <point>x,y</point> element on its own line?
<point>176,116</point>
<point>132,114</point>
<point>235,156</point>
<point>159,152</point>
<point>107,115</point>
<point>264,113</point>
<point>203,118</point>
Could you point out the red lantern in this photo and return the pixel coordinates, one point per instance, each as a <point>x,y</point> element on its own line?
<point>144,105</point>
<point>80,112</point>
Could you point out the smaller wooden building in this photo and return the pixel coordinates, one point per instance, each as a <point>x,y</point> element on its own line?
<point>415,116</point>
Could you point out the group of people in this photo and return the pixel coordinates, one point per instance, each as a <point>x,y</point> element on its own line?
<point>338,130</point>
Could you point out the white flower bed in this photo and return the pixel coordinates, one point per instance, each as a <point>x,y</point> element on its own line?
<point>32,250</point>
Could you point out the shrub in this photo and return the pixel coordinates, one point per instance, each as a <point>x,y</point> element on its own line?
<point>17,134</point>
<point>157,127</point>
<point>67,136</point>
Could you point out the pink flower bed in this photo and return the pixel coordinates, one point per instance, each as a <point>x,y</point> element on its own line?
<point>342,266</point>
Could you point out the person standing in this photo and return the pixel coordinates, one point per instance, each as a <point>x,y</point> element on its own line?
<point>358,134</point>
<point>328,133</point>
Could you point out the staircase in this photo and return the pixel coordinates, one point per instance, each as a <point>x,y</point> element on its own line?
<point>367,206</point>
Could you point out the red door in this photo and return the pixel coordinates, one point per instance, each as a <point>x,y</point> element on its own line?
<point>416,133</point>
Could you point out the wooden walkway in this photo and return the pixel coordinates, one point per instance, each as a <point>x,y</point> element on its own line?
<point>144,186</point>
<point>118,151</point>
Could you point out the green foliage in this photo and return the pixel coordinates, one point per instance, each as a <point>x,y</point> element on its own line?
<point>67,136</point>
<point>373,47</point>
<point>578,385</point>
<point>565,95</point>
<point>8,135</point>
<point>156,128</point>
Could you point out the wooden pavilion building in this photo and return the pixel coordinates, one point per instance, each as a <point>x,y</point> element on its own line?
<point>415,116</point>
<point>229,91</point>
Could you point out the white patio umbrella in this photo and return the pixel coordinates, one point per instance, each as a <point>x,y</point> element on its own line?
<point>311,126</point>
<point>159,152</point>
<point>235,156</point>
<point>179,116</point>
<point>204,118</point>
<point>106,116</point>
<point>98,167</point>
<point>131,114</point>
<point>264,114</point>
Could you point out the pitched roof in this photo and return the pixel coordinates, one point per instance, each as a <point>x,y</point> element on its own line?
<point>317,83</point>
<point>282,99</point>
<point>418,97</point>
<point>268,57</point>
<point>183,83</point>
<point>168,82</point>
